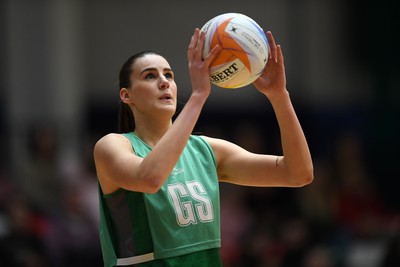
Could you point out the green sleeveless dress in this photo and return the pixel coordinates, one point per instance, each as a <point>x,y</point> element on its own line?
<point>177,226</point>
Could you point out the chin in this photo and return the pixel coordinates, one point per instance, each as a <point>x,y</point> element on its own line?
<point>169,108</point>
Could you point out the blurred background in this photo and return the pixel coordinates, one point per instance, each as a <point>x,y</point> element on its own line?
<point>59,64</point>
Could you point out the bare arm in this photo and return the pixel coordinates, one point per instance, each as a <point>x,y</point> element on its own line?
<point>116,164</point>
<point>295,167</point>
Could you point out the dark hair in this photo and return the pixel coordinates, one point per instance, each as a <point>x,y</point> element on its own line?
<point>126,121</point>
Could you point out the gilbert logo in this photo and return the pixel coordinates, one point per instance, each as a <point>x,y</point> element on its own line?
<point>176,171</point>
<point>225,74</point>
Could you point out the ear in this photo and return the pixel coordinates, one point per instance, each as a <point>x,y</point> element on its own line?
<point>124,95</point>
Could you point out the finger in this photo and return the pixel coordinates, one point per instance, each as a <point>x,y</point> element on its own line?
<point>272,45</point>
<point>211,55</point>
<point>280,58</point>
<point>200,43</point>
<point>193,40</point>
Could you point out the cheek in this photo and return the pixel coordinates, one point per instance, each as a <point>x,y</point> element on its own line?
<point>140,92</point>
<point>174,89</point>
<point>142,97</point>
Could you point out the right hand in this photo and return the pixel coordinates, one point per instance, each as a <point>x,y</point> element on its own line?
<point>199,68</point>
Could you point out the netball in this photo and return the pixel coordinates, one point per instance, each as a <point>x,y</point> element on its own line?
<point>244,52</point>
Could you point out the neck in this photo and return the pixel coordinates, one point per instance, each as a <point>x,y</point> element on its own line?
<point>152,131</point>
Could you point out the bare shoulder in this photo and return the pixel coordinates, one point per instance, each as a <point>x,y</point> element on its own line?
<point>107,153</point>
<point>111,143</point>
<point>213,142</point>
<point>217,143</point>
<point>112,139</point>
<point>223,148</point>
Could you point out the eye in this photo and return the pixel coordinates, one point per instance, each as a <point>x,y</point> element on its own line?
<point>150,76</point>
<point>169,75</point>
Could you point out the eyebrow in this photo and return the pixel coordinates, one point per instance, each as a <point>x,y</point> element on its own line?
<point>154,69</point>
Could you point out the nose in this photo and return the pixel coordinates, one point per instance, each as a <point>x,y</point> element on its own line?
<point>164,83</point>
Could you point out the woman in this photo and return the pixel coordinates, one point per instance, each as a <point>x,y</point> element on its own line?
<point>159,183</point>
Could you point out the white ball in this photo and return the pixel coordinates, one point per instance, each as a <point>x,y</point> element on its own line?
<point>244,51</point>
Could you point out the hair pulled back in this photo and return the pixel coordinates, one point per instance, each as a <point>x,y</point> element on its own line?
<point>126,121</point>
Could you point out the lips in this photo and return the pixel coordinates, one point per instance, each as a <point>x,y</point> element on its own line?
<point>166,97</point>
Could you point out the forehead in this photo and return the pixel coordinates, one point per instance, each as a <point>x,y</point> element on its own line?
<point>150,61</point>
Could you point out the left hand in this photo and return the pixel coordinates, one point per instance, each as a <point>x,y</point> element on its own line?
<point>272,81</point>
